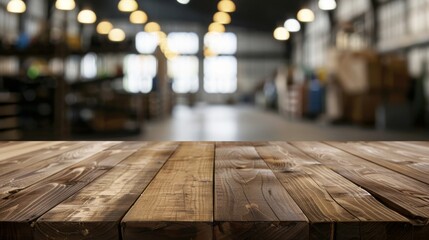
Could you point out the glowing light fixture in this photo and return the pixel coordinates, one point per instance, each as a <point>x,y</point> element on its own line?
<point>104,27</point>
<point>152,27</point>
<point>222,17</point>
<point>138,17</point>
<point>305,15</point>
<point>292,25</point>
<point>116,35</point>
<point>86,16</point>
<point>327,5</point>
<point>183,1</point>
<point>281,34</point>
<point>16,6</point>
<point>127,5</point>
<point>65,5</point>
<point>216,27</point>
<point>226,6</point>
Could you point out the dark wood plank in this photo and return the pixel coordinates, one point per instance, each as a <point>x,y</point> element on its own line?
<point>178,203</point>
<point>250,202</point>
<point>335,207</point>
<point>387,158</point>
<point>21,178</point>
<point>403,194</point>
<point>95,212</point>
<point>19,211</point>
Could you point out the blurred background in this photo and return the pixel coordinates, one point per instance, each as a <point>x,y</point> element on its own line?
<point>214,70</point>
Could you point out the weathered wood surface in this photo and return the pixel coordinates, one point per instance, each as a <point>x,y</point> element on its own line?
<point>247,192</point>
<point>204,190</point>
<point>178,203</point>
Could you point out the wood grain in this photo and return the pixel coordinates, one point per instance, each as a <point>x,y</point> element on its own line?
<point>95,212</point>
<point>404,195</point>
<point>248,198</point>
<point>388,159</point>
<point>19,148</point>
<point>178,203</point>
<point>417,152</point>
<point>335,207</point>
<point>24,207</point>
<point>14,181</point>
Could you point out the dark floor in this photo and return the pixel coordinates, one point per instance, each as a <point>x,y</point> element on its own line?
<point>245,123</point>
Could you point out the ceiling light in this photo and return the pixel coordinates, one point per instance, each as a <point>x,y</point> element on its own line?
<point>222,17</point>
<point>281,34</point>
<point>216,27</point>
<point>292,25</point>
<point>116,35</point>
<point>226,6</point>
<point>104,27</point>
<point>16,6</point>
<point>138,17</point>
<point>65,5</point>
<point>86,16</point>
<point>327,5</point>
<point>183,1</point>
<point>152,27</point>
<point>305,15</point>
<point>127,5</point>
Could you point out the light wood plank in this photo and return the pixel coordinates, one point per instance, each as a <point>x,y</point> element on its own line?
<point>19,179</point>
<point>335,207</point>
<point>388,159</point>
<point>178,203</point>
<point>96,211</point>
<point>405,195</point>
<point>19,148</point>
<point>417,152</point>
<point>19,211</point>
<point>250,202</point>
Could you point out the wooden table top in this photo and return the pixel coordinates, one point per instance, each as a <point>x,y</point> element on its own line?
<point>214,190</point>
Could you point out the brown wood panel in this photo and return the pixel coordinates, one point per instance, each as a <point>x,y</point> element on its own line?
<point>335,207</point>
<point>95,212</point>
<point>250,202</point>
<point>178,203</point>
<point>19,148</point>
<point>405,195</point>
<point>19,211</point>
<point>415,151</point>
<point>19,179</point>
<point>387,158</point>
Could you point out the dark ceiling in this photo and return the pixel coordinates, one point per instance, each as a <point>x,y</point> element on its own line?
<point>255,14</point>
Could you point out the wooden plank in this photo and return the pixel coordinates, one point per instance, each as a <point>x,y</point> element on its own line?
<point>388,159</point>
<point>95,212</point>
<point>335,207</point>
<point>250,202</point>
<point>19,211</point>
<point>17,180</point>
<point>408,149</point>
<point>24,161</point>
<point>178,203</point>
<point>403,194</point>
<point>20,148</point>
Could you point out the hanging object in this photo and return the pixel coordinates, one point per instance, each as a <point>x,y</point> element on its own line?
<point>216,27</point>
<point>104,27</point>
<point>183,1</point>
<point>138,17</point>
<point>281,34</point>
<point>116,35</point>
<point>16,6</point>
<point>86,16</point>
<point>65,5</point>
<point>292,25</point>
<point>327,5</point>
<point>226,6</point>
<point>222,18</point>
<point>127,5</point>
<point>152,27</point>
<point>305,15</point>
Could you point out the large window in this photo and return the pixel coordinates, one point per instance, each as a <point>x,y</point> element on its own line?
<point>140,71</point>
<point>183,68</point>
<point>220,65</point>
